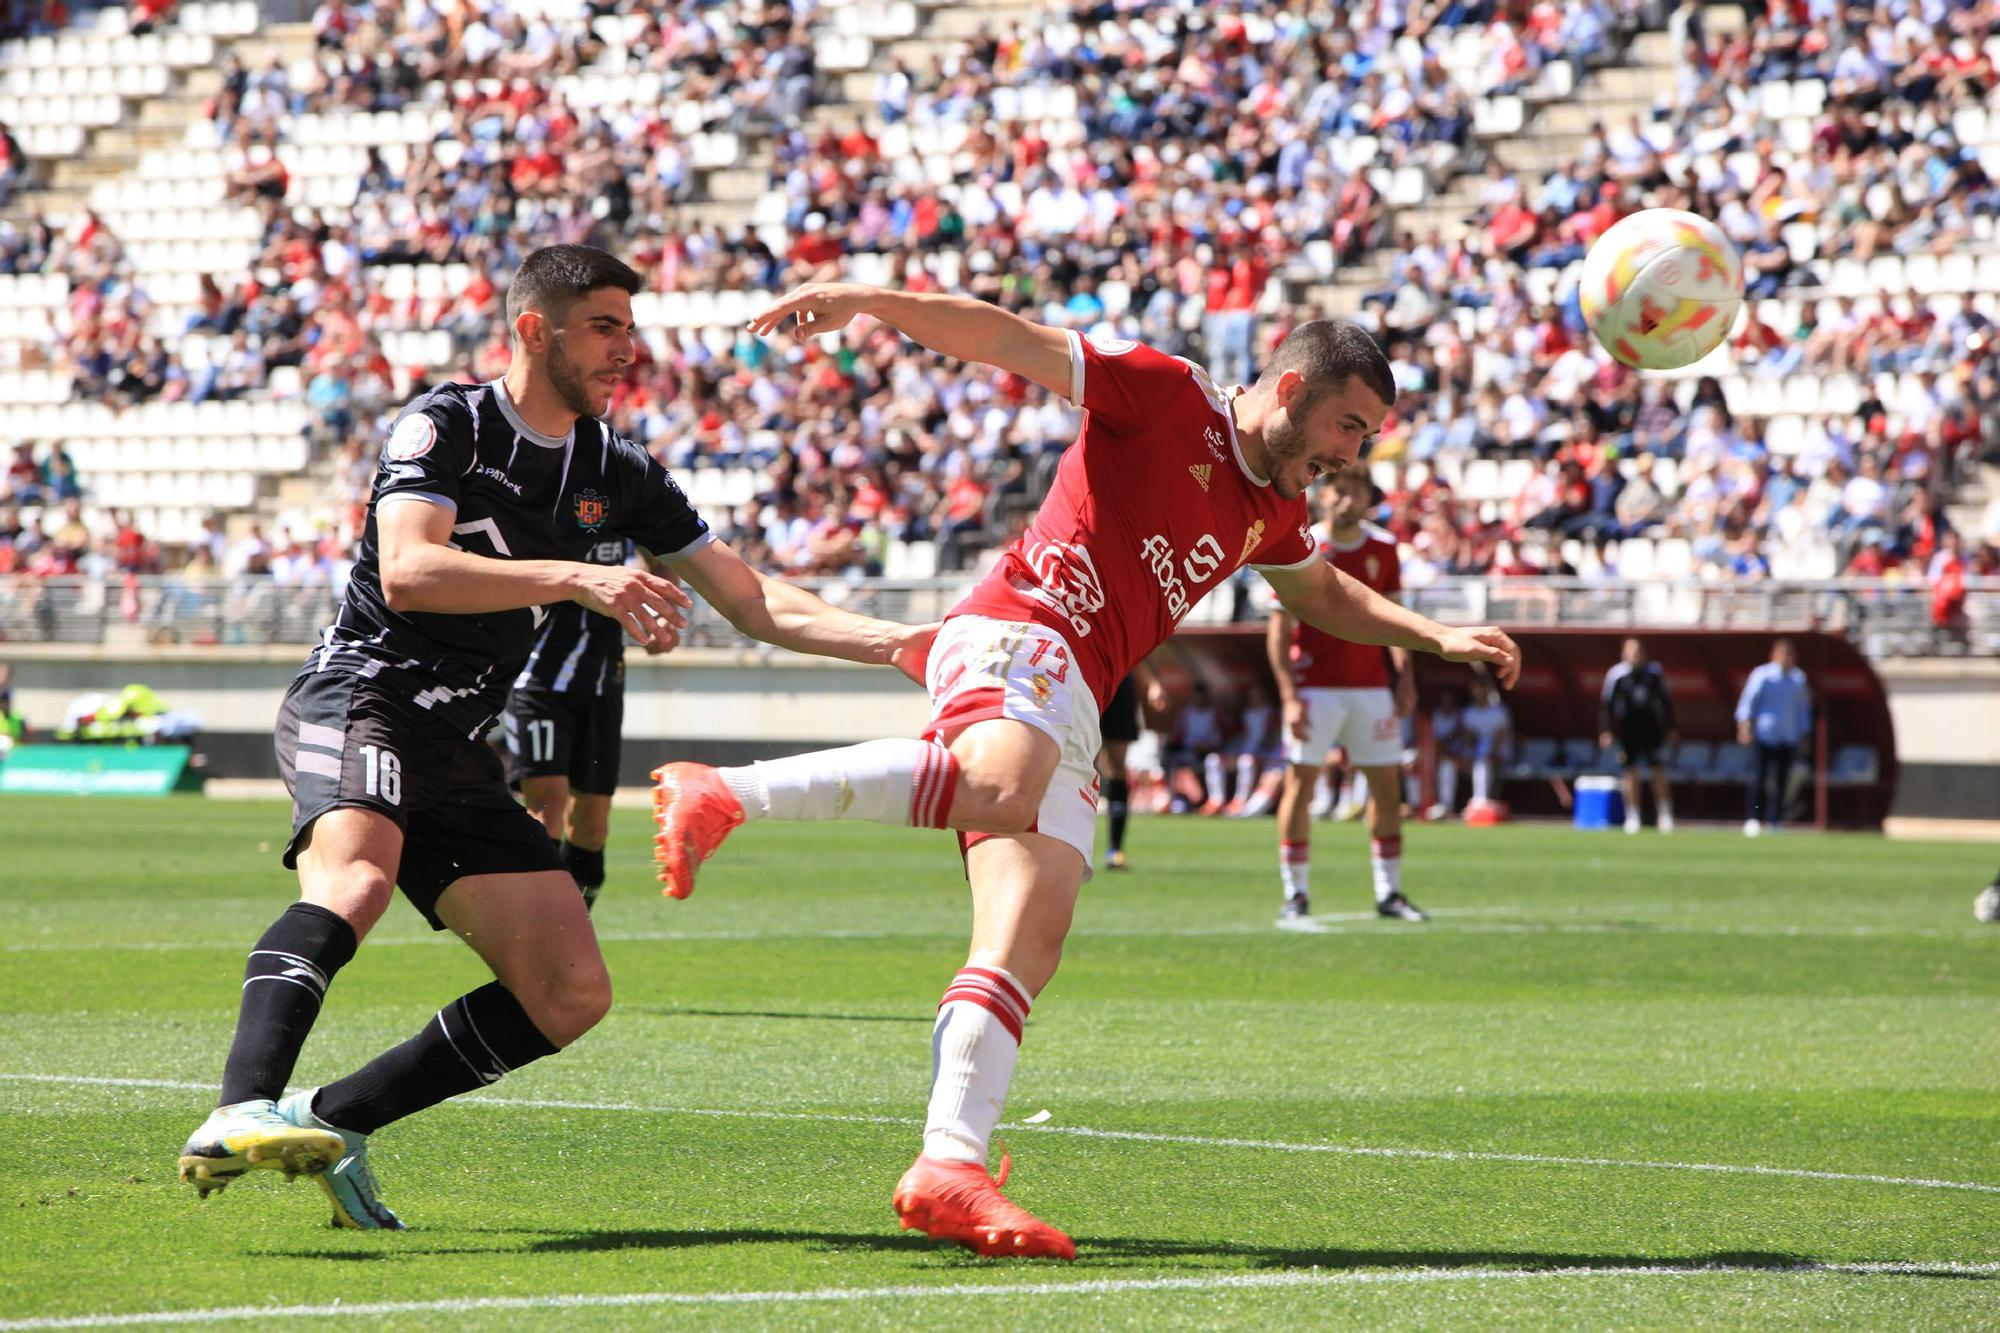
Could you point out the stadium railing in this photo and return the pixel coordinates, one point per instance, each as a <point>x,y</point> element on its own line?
<point>1886,618</point>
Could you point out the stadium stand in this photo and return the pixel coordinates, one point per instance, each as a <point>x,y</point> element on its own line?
<point>231,246</point>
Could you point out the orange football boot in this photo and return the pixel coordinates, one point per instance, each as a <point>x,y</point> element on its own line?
<point>958,1201</point>
<point>695,811</point>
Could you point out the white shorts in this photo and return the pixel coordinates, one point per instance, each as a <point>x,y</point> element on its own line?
<point>1361,722</point>
<point>981,669</point>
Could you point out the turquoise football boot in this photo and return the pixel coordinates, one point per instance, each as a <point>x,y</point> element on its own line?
<point>245,1136</point>
<point>348,1183</point>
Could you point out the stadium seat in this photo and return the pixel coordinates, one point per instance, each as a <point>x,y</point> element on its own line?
<point>1579,755</point>
<point>1634,558</point>
<point>1673,558</point>
<point>1733,763</point>
<point>1692,761</point>
<point>1482,479</point>
<point>1536,757</point>
<point>1854,766</point>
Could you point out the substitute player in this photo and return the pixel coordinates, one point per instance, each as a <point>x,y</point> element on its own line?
<point>1174,485</point>
<point>488,498</point>
<point>1637,715</point>
<point>563,723</point>
<point>1337,692</point>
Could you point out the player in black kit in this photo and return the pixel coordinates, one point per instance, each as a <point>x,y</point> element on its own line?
<point>562,727</point>
<point>488,500</point>
<point>1637,714</point>
<point>1117,728</point>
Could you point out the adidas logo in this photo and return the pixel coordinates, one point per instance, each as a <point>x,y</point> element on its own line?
<point>1200,472</point>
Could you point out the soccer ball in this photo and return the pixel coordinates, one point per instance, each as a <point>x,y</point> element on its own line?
<point>1986,907</point>
<point>1661,288</point>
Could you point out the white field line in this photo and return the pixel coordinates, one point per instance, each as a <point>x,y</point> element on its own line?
<point>1013,1290</point>
<point>1120,1135</point>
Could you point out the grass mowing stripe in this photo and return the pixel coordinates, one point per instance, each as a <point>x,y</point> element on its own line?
<point>1351,923</point>
<point>1082,1287</point>
<point>1123,1135</point>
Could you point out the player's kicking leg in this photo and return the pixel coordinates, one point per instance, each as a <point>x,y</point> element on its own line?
<point>979,670</point>
<point>1024,889</point>
<point>1023,740</point>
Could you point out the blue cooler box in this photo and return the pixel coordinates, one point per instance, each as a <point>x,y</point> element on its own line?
<point>1599,802</point>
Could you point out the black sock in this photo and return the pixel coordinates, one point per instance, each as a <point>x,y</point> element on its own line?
<point>469,1043</point>
<point>1117,795</point>
<point>587,866</point>
<point>284,980</point>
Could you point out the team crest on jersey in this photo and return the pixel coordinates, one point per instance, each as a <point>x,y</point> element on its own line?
<point>1251,540</point>
<point>591,510</point>
<point>1200,472</point>
<point>1112,346</point>
<point>413,437</point>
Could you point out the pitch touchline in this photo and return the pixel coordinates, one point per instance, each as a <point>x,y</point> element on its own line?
<point>1081,1287</point>
<point>1124,1135</point>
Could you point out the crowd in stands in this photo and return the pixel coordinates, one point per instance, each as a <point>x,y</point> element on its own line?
<point>1199,164</point>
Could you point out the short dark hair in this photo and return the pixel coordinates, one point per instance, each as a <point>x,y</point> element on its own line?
<point>555,277</point>
<point>1328,353</point>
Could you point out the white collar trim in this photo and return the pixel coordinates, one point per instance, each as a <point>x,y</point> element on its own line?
<point>520,424</point>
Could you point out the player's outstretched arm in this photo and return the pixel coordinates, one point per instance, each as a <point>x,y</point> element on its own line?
<point>423,571</point>
<point>1346,608</point>
<point>779,613</point>
<point>955,326</point>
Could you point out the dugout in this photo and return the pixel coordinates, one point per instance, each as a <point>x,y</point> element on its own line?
<point>1846,777</point>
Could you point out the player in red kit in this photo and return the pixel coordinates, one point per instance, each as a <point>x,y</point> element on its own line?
<point>1174,484</point>
<point>1337,692</point>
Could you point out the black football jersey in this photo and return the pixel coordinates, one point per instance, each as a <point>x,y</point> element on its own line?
<point>1635,701</point>
<point>515,494</point>
<point>578,651</point>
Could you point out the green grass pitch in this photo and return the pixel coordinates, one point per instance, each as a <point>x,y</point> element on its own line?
<point>1494,1120</point>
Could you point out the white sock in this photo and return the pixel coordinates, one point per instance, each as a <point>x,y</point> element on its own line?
<point>1447,783</point>
<point>1246,776</point>
<point>975,1044</point>
<point>1385,857</point>
<point>1211,776</point>
<point>1295,867</point>
<point>904,782</point>
<point>1357,789</point>
<point>1482,779</point>
<point>1413,791</point>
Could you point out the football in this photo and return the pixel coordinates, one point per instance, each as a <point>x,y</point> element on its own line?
<point>1661,288</point>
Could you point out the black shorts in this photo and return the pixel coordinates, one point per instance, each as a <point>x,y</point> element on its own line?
<point>574,736</point>
<point>341,743</point>
<point>1641,749</point>
<point>1120,719</point>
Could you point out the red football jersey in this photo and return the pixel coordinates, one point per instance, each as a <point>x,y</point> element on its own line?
<point>1151,510</point>
<point>1320,661</point>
